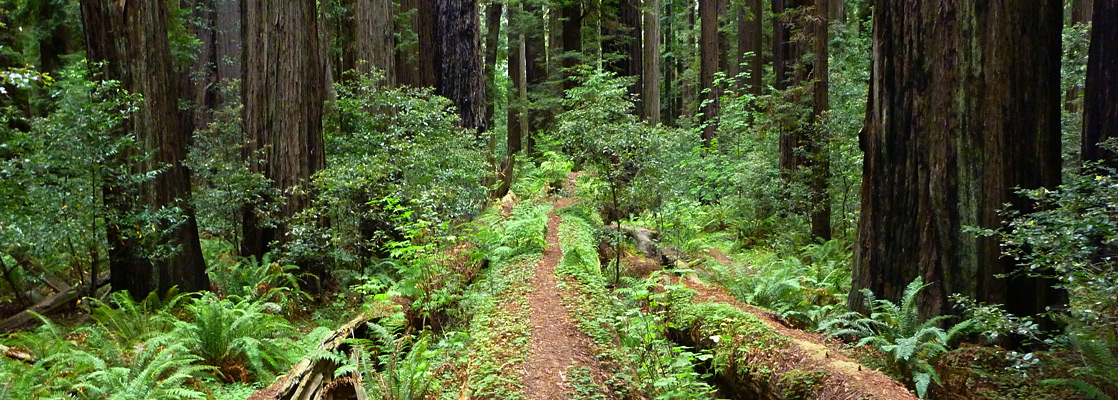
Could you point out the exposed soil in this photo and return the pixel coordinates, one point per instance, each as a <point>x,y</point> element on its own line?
<point>556,343</point>
<point>853,377</point>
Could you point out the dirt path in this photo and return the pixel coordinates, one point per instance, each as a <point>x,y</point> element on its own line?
<point>556,343</point>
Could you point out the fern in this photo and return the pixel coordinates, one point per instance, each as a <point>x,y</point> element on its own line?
<point>160,369</point>
<point>237,333</point>
<point>136,321</point>
<point>910,345</point>
<point>1097,377</point>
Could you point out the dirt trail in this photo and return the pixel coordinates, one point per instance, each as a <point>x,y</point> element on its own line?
<point>556,343</point>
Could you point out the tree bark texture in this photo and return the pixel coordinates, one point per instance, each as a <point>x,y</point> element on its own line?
<point>131,38</point>
<point>630,32</point>
<point>459,63</point>
<point>749,44</point>
<point>1100,104</point>
<point>650,94</point>
<point>283,92</point>
<point>375,47</point>
<point>428,42</point>
<point>518,93</point>
<point>820,158</point>
<point>535,70</point>
<point>964,106</point>
<point>493,14</point>
<point>708,66</point>
<point>407,43</point>
<point>227,23</point>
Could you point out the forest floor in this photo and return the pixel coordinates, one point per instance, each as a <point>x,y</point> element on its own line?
<point>556,343</point>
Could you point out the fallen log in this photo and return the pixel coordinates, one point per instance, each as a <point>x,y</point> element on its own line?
<point>313,379</point>
<point>17,354</point>
<point>48,305</point>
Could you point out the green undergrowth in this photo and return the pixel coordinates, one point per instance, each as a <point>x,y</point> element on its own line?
<point>629,337</point>
<point>496,304</point>
<point>744,347</point>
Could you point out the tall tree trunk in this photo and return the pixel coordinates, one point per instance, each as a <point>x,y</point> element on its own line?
<point>407,43</point>
<point>198,82</point>
<point>535,71</point>
<point>228,39</point>
<point>749,44</point>
<point>428,43</point>
<point>55,41</point>
<point>131,38</point>
<point>282,107</point>
<point>571,15</point>
<point>780,46</point>
<point>1100,104</point>
<point>1081,11</point>
<point>492,41</point>
<point>671,66</point>
<point>820,157</point>
<point>651,91</point>
<point>518,94</point>
<point>947,139</point>
<point>792,72</point>
<point>708,15</point>
<point>374,46</point>
<point>459,61</point>
<point>630,19</point>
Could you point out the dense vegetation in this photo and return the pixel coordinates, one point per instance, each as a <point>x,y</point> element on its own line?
<point>527,199</point>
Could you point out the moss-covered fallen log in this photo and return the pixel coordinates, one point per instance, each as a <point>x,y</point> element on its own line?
<point>754,360</point>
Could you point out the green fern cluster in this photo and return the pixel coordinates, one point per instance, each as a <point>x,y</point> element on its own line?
<point>910,346</point>
<point>1097,373</point>
<point>238,335</point>
<point>94,363</point>
<point>264,279</point>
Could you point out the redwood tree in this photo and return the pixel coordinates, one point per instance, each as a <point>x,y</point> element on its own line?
<point>708,66</point>
<point>283,90</point>
<point>964,107</point>
<point>1100,104</point>
<point>458,64</point>
<point>650,94</point>
<point>131,39</point>
<point>749,44</point>
<point>820,159</point>
<point>374,45</point>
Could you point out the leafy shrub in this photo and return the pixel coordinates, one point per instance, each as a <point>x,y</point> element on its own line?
<point>240,336</point>
<point>400,143</point>
<point>910,346</point>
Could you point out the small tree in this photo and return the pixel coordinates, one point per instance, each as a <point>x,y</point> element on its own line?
<point>601,130</point>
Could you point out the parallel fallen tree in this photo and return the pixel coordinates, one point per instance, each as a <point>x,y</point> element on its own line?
<point>759,359</point>
<point>67,295</point>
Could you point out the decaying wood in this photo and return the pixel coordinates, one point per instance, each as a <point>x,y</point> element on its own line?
<point>46,306</point>
<point>314,379</point>
<point>17,354</point>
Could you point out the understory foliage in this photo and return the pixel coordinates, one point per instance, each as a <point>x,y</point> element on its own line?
<point>909,345</point>
<point>1072,240</point>
<point>400,144</point>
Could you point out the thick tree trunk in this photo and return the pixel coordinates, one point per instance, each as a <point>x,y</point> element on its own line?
<point>949,134</point>
<point>780,46</point>
<point>407,43</point>
<point>820,157</point>
<point>708,60</point>
<point>535,71</point>
<point>571,16</point>
<point>630,31</point>
<point>1082,11</point>
<point>1100,104</point>
<point>131,38</point>
<point>518,94</point>
<point>749,44</point>
<point>227,22</point>
<point>282,107</point>
<point>460,76</point>
<point>651,79</point>
<point>492,41</point>
<point>670,66</point>
<point>428,43</point>
<point>373,38</point>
